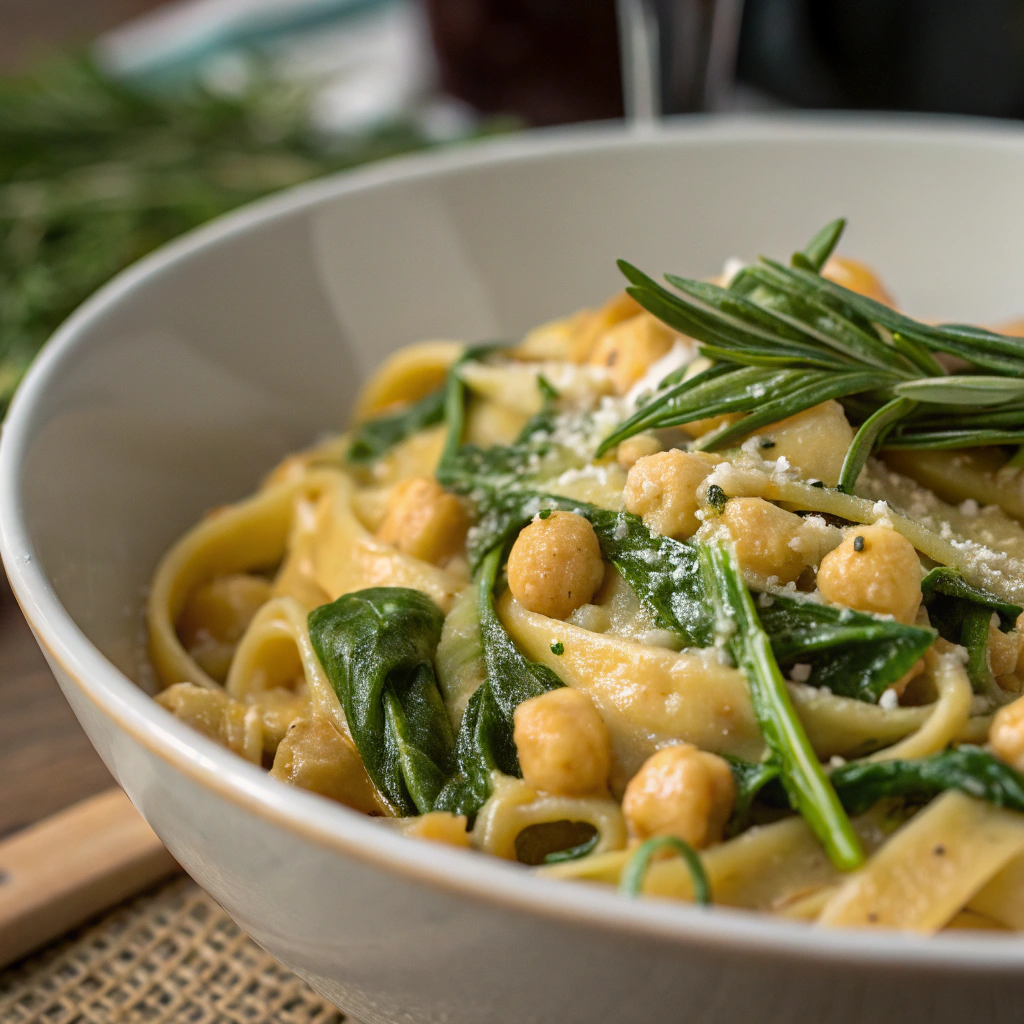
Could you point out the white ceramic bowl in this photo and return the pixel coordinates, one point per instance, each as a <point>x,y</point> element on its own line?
<point>178,385</point>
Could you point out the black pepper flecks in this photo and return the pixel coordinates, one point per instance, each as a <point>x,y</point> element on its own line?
<point>716,497</point>
<point>858,543</point>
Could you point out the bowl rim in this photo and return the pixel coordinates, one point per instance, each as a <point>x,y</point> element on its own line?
<point>345,831</point>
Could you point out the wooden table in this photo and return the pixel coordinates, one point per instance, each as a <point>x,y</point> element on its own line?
<point>46,761</point>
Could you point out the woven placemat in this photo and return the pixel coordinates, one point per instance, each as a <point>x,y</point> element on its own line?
<point>170,955</point>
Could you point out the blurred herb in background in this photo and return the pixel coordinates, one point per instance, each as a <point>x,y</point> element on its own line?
<point>94,174</point>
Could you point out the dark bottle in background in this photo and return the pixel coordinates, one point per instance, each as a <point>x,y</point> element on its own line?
<point>558,61</point>
<point>545,61</point>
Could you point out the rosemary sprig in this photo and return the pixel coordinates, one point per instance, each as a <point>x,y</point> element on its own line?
<point>783,339</point>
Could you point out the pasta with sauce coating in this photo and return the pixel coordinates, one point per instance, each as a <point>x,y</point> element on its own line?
<point>628,582</point>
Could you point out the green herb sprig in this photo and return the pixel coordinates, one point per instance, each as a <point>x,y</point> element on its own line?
<point>95,173</point>
<point>632,881</point>
<point>805,781</point>
<point>783,339</point>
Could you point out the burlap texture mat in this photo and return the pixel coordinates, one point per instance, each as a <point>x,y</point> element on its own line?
<point>170,955</point>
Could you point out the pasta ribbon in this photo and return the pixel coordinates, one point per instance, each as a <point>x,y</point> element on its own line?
<point>249,535</point>
<point>210,711</point>
<point>314,756</point>
<point>514,385</point>
<point>1002,898</point>
<point>949,715</point>
<point>647,696</point>
<point>513,806</point>
<point>334,550</point>
<point>957,475</point>
<point>930,868</point>
<point>275,653</point>
<point>409,374</point>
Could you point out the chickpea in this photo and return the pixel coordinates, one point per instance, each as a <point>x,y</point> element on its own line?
<point>629,348</point>
<point>216,615</point>
<point>858,277</point>
<point>769,540</point>
<point>814,442</point>
<point>440,827</point>
<point>237,726</point>
<point>1003,650</point>
<point>662,489</point>
<point>424,520</point>
<point>313,755</point>
<point>555,565</point>
<point>875,569</point>
<point>1014,328</point>
<point>596,322</point>
<point>635,448</point>
<point>1006,734</point>
<point>680,791</point>
<point>563,743</point>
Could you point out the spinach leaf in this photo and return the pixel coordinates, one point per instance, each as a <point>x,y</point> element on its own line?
<point>376,647</point>
<point>970,769</point>
<point>664,573</point>
<point>485,740</point>
<point>861,784</point>
<point>946,582</point>
<point>751,778</point>
<point>962,614</point>
<point>853,654</point>
<point>378,436</point>
<point>739,628</point>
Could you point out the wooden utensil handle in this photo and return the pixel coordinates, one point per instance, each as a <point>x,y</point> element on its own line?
<point>57,873</point>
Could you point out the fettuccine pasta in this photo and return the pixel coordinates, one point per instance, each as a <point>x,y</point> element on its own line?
<point>729,571</point>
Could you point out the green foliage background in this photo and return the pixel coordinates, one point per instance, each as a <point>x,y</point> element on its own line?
<point>95,173</point>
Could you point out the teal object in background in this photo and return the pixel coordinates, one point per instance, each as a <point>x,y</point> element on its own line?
<point>175,43</point>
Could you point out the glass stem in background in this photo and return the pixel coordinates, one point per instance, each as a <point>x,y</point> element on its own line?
<point>641,74</point>
<point>678,56</point>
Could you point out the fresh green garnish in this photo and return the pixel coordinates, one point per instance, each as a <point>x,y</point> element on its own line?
<point>558,648</point>
<point>631,882</point>
<point>716,497</point>
<point>784,339</point>
<point>806,783</point>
